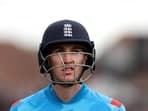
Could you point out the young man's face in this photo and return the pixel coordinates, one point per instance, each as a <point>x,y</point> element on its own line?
<point>67,60</point>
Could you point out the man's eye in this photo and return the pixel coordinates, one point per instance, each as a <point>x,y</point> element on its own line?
<point>57,50</point>
<point>76,50</point>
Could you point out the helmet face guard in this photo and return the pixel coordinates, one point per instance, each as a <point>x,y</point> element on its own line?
<point>65,31</point>
<point>84,73</point>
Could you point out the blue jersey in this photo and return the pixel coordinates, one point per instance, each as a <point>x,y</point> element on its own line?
<point>85,100</point>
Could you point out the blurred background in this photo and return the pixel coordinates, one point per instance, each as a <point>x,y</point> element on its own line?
<point>119,29</point>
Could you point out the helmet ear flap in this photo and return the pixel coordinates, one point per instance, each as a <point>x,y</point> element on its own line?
<point>43,64</point>
<point>93,56</point>
<point>91,59</point>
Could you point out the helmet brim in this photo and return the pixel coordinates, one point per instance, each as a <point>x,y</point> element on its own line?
<point>84,43</point>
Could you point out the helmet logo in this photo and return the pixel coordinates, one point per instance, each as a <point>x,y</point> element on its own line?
<point>67,30</point>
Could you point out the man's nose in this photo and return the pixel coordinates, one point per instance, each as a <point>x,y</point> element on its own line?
<point>67,58</point>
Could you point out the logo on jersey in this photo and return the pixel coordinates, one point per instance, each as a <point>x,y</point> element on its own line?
<point>67,30</point>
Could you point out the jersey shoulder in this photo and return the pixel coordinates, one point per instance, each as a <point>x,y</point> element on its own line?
<point>29,101</point>
<point>107,101</point>
<point>16,102</point>
<point>117,104</point>
<point>113,103</point>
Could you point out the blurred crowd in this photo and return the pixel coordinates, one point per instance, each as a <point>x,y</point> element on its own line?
<point>124,71</point>
<point>121,72</point>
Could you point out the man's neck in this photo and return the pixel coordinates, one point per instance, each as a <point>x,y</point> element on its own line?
<point>66,93</point>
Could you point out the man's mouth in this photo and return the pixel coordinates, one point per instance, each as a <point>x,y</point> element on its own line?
<point>68,69</point>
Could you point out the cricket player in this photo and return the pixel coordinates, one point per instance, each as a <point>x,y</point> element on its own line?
<point>67,59</point>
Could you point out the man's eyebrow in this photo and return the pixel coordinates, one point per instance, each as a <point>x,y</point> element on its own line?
<point>79,47</point>
<point>55,47</point>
